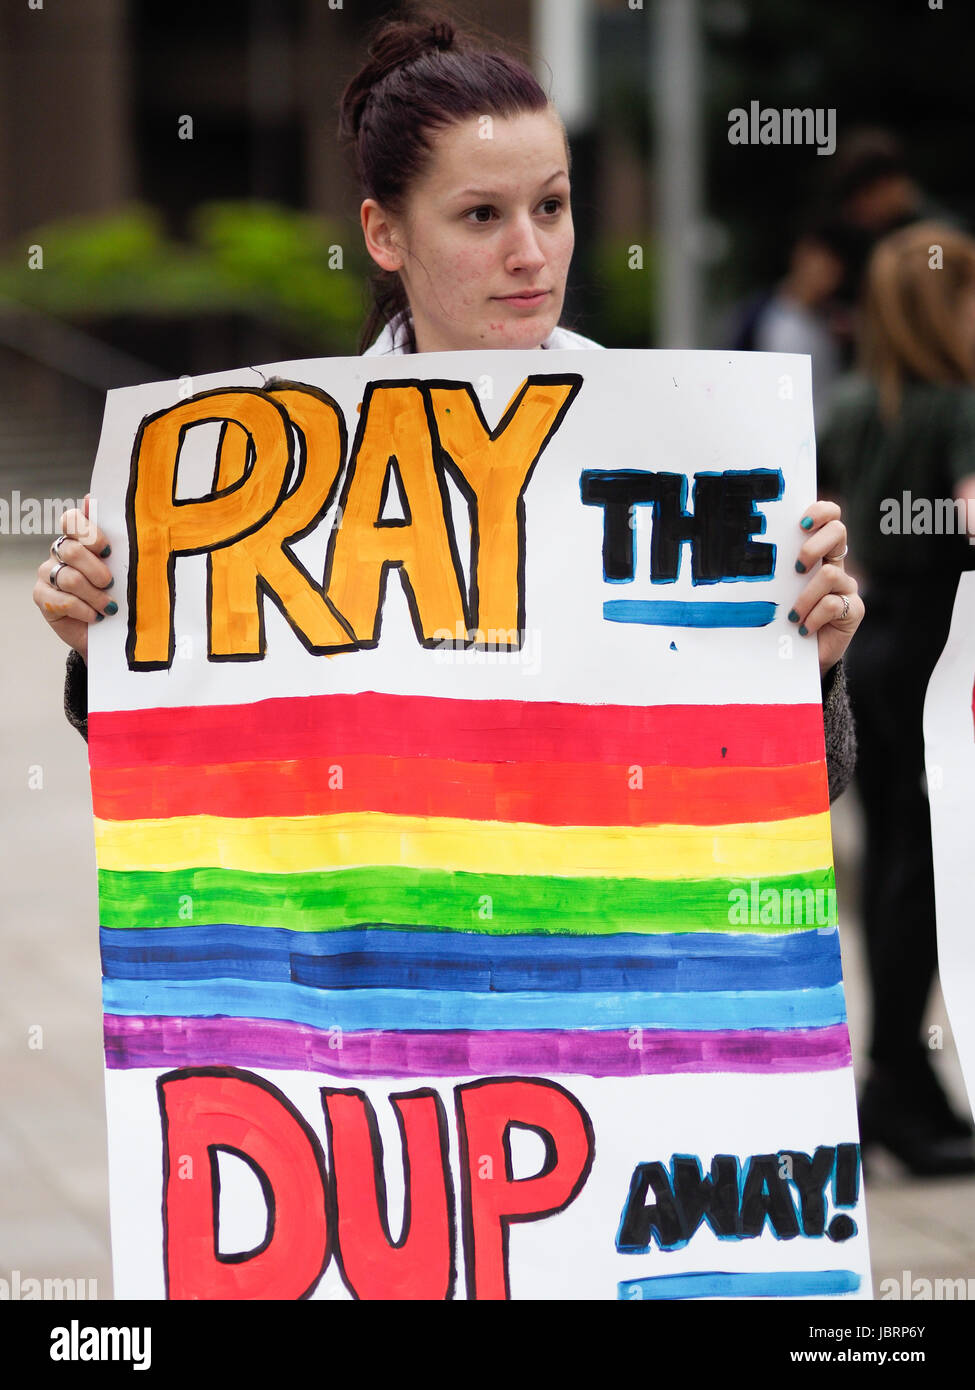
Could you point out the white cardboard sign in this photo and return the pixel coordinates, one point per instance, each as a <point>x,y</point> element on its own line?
<point>466,885</point>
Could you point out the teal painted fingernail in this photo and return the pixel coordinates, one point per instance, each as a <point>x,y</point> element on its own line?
<point>110,582</point>
<point>99,617</point>
<point>806,523</point>
<point>800,567</point>
<point>793,616</point>
<point>803,630</point>
<point>111,607</point>
<point>106,551</point>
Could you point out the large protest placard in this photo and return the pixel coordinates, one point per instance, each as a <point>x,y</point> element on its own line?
<point>949,755</point>
<point>466,889</point>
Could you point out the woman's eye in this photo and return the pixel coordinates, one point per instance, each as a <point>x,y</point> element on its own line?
<point>551,207</point>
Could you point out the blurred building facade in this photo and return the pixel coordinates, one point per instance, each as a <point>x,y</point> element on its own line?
<point>169,104</point>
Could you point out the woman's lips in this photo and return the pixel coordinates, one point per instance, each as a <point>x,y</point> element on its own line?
<point>524,301</point>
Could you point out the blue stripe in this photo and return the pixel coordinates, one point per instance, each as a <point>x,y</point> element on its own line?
<point>672,613</point>
<point>374,959</point>
<point>786,1283</point>
<point>354,1009</point>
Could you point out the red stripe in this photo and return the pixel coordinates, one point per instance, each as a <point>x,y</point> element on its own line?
<point>541,793</point>
<point>333,727</point>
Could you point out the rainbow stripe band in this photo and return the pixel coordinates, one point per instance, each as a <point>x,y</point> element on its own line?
<point>552,793</point>
<point>383,959</point>
<point>436,900</point>
<point>400,726</point>
<point>258,1042</point>
<point>356,1009</point>
<point>306,844</point>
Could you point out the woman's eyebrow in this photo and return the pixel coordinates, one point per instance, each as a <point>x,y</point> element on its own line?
<point>493,193</point>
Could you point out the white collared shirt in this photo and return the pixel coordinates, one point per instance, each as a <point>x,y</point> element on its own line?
<point>392,340</point>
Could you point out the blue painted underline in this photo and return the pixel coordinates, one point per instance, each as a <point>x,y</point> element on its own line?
<point>780,1283</point>
<point>672,613</point>
<point>786,1283</point>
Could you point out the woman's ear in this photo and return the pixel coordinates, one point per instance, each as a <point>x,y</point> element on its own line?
<point>380,236</point>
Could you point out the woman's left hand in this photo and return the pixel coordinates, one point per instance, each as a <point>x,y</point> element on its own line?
<point>830,605</point>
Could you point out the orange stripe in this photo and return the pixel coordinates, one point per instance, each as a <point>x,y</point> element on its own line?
<point>543,793</point>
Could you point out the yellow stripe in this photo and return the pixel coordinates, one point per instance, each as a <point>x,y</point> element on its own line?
<point>302,844</point>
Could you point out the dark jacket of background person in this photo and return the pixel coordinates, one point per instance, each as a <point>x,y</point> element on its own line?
<point>898,441</point>
<point>892,474</point>
<point>909,581</point>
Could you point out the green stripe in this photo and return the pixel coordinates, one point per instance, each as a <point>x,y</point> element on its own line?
<point>435,900</point>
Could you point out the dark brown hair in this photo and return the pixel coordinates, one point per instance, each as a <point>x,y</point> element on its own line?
<point>911,326</point>
<point>422,75</point>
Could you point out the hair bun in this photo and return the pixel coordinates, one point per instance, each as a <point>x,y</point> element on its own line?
<point>442,33</point>
<point>396,44</point>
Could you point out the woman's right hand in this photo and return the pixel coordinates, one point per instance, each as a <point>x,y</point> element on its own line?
<point>79,597</point>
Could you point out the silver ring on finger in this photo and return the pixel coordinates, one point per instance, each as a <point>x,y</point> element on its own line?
<point>846,607</point>
<point>831,559</point>
<point>56,547</point>
<point>52,578</point>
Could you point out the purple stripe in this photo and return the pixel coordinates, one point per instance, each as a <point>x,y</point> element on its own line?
<point>156,1041</point>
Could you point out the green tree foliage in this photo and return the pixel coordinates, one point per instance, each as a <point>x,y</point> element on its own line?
<point>287,268</point>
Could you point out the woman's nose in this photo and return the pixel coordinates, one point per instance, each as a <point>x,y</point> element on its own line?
<point>525,251</point>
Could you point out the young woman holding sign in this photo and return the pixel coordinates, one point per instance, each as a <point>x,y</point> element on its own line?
<point>464,164</point>
<point>473,238</point>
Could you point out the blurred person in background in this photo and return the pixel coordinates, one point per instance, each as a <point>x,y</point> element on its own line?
<point>799,313</point>
<point>870,191</point>
<point>871,186</point>
<point>905,423</point>
<point>867,192</point>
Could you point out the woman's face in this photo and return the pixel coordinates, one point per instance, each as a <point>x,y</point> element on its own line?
<point>489,220</point>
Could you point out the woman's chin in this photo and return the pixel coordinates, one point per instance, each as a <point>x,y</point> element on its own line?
<point>527,332</point>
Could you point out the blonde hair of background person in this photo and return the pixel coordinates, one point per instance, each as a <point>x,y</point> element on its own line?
<point>473,239</point>
<point>919,319</point>
<point>919,310</point>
